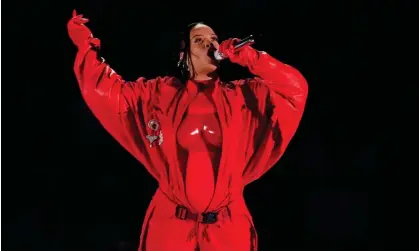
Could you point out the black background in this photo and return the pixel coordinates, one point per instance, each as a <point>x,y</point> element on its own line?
<point>70,186</point>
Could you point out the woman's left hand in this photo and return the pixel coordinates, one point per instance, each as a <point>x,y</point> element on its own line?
<point>238,56</point>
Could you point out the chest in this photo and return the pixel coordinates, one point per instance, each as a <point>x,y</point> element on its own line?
<point>202,103</point>
<point>184,112</point>
<point>200,124</point>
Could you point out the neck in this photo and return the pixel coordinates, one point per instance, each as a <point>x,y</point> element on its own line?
<point>206,76</point>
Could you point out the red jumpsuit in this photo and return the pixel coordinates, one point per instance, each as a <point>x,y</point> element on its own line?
<point>202,142</point>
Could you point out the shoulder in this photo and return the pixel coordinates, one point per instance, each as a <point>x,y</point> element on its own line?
<point>250,84</point>
<point>160,82</point>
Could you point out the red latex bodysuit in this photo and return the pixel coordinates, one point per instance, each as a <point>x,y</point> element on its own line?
<point>203,142</point>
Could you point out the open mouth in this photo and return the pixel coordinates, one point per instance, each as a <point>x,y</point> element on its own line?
<point>211,54</point>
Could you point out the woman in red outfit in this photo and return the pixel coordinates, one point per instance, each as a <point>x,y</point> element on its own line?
<point>203,140</point>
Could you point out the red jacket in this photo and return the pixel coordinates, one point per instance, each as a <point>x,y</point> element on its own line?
<point>258,116</point>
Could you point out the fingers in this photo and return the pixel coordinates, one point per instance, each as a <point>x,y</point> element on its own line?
<point>230,44</point>
<point>79,19</point>
<point>227,47</point>
<point>82,20</point>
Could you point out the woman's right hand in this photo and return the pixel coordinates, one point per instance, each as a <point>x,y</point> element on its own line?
<point>78,32</point>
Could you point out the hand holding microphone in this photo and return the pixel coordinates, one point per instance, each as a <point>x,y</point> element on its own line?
<point>230,47</point>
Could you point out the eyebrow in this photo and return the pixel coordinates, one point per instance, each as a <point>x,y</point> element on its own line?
<point>202,35</point>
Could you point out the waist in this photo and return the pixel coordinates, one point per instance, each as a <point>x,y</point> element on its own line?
<point>166,203</point>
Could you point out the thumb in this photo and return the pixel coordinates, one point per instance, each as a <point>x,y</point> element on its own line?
<point>74,13</point>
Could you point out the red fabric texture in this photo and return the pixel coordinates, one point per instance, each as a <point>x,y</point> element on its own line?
<point>245,126</point>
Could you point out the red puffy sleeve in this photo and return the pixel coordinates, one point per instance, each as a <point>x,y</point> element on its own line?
<point>118,104</point>
<point>275,99</point>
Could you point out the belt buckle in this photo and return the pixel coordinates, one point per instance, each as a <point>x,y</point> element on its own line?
<point>209,218</point>
<point>181,212</point>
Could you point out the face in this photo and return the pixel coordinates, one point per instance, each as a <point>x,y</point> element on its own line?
<point>203,43</point>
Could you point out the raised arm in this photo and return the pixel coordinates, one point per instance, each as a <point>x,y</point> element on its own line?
<point>114,101</point>
<point>276,86</point>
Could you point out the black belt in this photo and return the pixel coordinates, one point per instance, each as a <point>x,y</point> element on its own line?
<point>184,213</point>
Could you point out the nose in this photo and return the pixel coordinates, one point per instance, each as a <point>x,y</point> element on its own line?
<point>210,45</point>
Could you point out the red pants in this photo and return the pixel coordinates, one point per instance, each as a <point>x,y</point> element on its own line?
<point>163,231</point>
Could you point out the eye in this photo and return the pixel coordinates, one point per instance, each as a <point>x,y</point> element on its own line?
<point>198,40</point>
<point>215,39</point>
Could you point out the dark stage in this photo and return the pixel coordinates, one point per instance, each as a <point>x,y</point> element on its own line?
<point>72,187</point>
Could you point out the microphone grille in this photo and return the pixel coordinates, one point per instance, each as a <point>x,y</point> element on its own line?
<point>218,55</point>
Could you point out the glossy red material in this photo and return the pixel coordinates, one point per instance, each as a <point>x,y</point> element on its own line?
<point>202,142</point>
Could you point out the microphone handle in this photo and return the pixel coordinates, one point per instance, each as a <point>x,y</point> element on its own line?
<point>243,42</point>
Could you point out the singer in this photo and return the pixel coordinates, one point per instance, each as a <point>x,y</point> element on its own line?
<point>202,139</point>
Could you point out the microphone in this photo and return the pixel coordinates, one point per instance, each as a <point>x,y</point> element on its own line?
<point>245,41</point>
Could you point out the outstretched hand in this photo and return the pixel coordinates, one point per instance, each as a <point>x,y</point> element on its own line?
<point>78,32</point>
<point>79,19</point>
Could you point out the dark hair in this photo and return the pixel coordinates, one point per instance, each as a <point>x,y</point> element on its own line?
<point>185,48</point>
<point>178,67</point>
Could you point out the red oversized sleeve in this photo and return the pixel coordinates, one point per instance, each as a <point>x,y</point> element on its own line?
<point>118,104</point>
<point>278,94</point>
